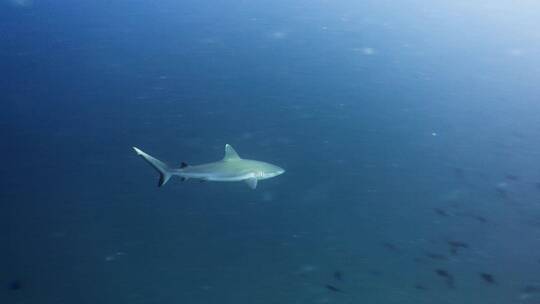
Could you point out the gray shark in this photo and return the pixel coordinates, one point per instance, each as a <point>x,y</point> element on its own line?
<point>231,168</point>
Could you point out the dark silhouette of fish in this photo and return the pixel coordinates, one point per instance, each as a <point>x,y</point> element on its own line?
<point>15,285</point>
<point>441,272</point>
<point>338,275</point>
<point>488,278</point>
<point>479,218</point>
<point>501,192</point>
<point>333,288</point>
<point>456,245</point>
<point>420,287</point>
<point>531,288</point>
<point>440,212</point>
<point>448,278</point>
<point>391,247</point>
<point>512,177</point>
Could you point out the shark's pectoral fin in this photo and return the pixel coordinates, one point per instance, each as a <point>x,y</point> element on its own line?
<point>252,182</point>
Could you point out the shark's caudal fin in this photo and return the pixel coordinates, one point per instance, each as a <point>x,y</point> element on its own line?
<point>163,170</point>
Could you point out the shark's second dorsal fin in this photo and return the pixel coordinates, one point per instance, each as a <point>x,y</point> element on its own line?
<point>230,154</point>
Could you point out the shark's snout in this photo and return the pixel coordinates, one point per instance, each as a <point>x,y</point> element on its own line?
<point>270,171</point>
<point>277,171</point>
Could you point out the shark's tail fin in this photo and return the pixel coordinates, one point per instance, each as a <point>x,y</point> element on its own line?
<point>164,171</point>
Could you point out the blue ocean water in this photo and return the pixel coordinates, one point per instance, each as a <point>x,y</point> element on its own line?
<point>409,132</point>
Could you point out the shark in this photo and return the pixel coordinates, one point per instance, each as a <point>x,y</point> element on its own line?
<point>231,168</point>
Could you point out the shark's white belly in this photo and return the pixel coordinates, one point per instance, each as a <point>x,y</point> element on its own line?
<point>217,177</point>
<point>218,171</point>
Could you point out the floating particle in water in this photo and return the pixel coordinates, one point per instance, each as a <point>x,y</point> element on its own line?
<point>502,189</point>
<point>267,196</point>
<point>374,272</point>
<point>368,51</point>
<point>305,270</point>
<point>113,257</point>
<point>21,3</point>
<point>278,35</point>
<point>516,52</point>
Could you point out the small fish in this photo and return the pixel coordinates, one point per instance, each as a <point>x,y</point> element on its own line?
<point>488,278</point>
<point>333,288</point>
<point>420,287</point>
<point>449,279</point>
<point>338,275</point>
<point>440,212</point>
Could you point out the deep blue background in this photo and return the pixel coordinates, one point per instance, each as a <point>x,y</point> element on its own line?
<point>384,114</point>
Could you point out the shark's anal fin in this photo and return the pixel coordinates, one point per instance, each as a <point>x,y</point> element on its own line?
<point>230,154</point>
<point>252,182</point>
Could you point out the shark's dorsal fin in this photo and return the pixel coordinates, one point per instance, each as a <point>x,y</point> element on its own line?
<point>230,154</point>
